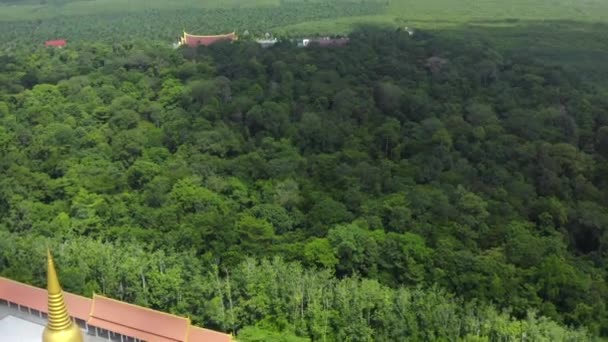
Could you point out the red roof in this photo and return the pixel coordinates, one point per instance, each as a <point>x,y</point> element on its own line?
<point>202,334</point>
<point>331,41</point>
<point>113,315</point>
<point>36,298</point>
<point>192,40</point>
<point>55,43</point>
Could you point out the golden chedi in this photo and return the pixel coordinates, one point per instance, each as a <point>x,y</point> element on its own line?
<point>60,327</point>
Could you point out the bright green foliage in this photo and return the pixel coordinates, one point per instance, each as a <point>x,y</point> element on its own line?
<point>271,300</point>
<point>319,252</point>
<point>255,334</point>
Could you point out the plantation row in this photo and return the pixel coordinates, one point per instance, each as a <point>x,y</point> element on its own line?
<point>167,25</point>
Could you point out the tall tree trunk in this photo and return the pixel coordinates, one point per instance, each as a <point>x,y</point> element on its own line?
<point>228,288</point>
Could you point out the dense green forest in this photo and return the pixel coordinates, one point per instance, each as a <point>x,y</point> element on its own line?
<point>400,187</point>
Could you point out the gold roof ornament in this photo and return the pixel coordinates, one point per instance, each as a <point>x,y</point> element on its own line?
<point>60,327</point>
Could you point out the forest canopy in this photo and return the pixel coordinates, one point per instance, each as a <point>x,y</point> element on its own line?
<point>397,186</point>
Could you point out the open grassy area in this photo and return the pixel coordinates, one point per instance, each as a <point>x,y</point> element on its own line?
<point>100,7</point>
<point>568,33</point>
<point>164,25</point>
<point>439,14</point>
<point>34,11</point>
<point>480,10</point>
<point>432,12</point>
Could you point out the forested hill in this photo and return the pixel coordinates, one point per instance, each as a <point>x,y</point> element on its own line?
<point>395,170</point>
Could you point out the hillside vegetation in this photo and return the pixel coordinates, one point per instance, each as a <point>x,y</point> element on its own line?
<point>418,187</point>
<point>444,186</point>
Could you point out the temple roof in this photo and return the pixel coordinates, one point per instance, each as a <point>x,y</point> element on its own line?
<point>194,40</point>
<point>36,298</point>
<point>113,315</point>
<point>55,43</point>
<point>130,320</point>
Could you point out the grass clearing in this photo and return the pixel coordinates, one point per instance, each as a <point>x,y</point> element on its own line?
<point>473,10</point>
<point>427,13</point>
<point>101,7</point>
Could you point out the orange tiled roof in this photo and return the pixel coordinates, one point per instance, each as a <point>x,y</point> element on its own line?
<point>58,42</point>
<point>202,334</point>
<point>113,315</point>
<point>109,313</point>
<point>36,298</point>
<point>192,40</point>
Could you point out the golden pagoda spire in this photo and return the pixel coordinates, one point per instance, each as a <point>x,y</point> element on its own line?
<point>60,327</point>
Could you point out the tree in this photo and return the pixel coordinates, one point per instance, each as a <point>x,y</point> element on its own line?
<point>388,98</point>
<point>318,252</point>
<point>255,235</point>
<point>172,94</point>
<point>357,249</point>
<point>189,197</point>
<point>325,213</point>
<point>388,135</point>
<point>409,258</point>
<point>140,173</point>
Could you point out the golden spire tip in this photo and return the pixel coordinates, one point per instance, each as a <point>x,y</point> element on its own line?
<point>52,281</point>
<point>60,327</point>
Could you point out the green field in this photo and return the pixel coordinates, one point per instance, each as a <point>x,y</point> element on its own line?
<point>16,12</point>
<point>160,21</point>
<point>564,32</point>
<point>429,13</point>
<point>344,15</point>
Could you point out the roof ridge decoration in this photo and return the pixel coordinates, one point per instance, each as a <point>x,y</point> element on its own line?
<point>210,36</point>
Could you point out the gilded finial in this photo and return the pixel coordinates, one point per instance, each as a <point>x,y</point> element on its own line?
<point>60,327</point>
<point>52,281</point>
